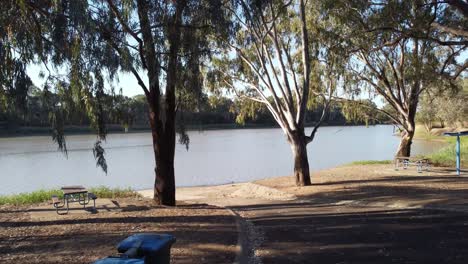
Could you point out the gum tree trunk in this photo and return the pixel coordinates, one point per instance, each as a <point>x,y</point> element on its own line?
<point>404,149</point>
<point>164,148</point>
<point>164,185</point>
<point>162,108</point>
<point>298,145</point>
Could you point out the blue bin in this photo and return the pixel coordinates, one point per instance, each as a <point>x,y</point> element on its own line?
<point>147,248</point>
<point>117,260</point>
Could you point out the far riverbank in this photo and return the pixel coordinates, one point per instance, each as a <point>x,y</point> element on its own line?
<point>19,131</point>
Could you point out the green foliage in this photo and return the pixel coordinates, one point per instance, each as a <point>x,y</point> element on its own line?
<point>364,111</point>
<point>447,155</point>
<point>106,192</point>
<point>248,110</point>
<point>29,198</point>
<point>448,107</point>
<point>41,196</point>
<point>422,133</point>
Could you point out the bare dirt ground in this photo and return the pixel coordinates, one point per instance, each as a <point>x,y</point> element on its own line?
<point>382,185</point>
<point>365,214</point>
<point>351,214</point>
<point>205,234</point>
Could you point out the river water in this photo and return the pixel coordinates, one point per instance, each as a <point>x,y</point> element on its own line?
<point>214,157</point>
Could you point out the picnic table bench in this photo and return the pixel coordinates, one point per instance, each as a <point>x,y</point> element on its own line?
<point>420,163</point>
<point>73,194</point>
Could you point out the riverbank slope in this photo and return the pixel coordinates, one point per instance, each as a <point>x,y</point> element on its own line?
<point>378,184</point>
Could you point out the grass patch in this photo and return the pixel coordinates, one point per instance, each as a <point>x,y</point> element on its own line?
<point>41,196</point>
<point>370,162</point>
<point>446,156</point>
<point>422,133</point>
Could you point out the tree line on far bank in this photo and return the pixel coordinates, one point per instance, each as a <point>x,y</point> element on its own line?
<point>125,113</point>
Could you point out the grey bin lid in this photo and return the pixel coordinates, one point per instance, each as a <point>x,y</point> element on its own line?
<point>147,243</point>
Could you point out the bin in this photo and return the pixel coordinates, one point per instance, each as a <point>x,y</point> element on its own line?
<point>118,260</point>
<point>147,248</point>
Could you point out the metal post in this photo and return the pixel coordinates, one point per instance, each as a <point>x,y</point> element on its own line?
<point>458,155</point>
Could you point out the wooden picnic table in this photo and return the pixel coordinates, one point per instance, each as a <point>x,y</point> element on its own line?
<point>72,194</point>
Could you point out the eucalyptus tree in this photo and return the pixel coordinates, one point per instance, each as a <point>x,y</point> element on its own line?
<point>274,58</point>
<point>453,19</point>
<point>396,53</point>
<point>168,41</point>
<point>161,43</point>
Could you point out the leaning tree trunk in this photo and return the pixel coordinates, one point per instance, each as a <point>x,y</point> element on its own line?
<point>404,149</point>
<point>298,145</point>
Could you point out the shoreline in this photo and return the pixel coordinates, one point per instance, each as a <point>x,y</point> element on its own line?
<point>187,191</point>
<point>355,184</point>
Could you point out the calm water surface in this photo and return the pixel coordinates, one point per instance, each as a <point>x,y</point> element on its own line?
<point>214,157</point>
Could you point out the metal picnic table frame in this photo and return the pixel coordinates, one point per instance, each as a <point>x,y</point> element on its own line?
<point>457,148</point>
<point>73,194</point>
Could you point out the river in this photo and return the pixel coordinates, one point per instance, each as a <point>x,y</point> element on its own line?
<point>214,157</point>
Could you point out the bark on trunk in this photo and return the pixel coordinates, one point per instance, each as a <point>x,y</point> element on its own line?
<point>404,149</point>
<point>301,163</point>
<point>164,147</point>
<point>164,186</point>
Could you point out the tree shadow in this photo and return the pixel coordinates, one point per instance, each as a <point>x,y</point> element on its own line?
<point>400,179</point>
<point>201,238</point>
<point>319,229</point>
<point>384,236</point>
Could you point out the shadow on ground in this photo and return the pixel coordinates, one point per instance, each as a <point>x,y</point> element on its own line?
<point>320,228</point>
<point>205,234</point>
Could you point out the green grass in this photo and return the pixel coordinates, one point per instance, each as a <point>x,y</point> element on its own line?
<point>45,195</point>
<point>370,162</point>
<point>446,155</point>
<point>422,133</point>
